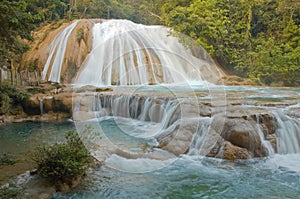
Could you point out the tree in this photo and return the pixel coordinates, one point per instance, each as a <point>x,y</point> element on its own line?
<point>16,25</point>
<point>259,39</point>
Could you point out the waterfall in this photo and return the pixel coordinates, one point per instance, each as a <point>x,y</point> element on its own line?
<point>288,133</point>
<point>125,53</point>
<point>160,117</point>
<point>56,56</point>
<point>41,106</point>
<point>267,145</point>
<point>149,109</point>
<point>196,146</point>
<point>145,117</point>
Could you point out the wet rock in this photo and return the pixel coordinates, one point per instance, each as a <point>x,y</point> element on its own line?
<point>243,133</point>
<point>212,144</point>
<point>294,112</point>
<point>63,102</point>
<point>232,152</point>
<point>38,188</point>
<point>178,141</point>
<point>235,81</point>
<point>40,104</point>
<point>32,106</point>
<point>62,187</point>
<point>267,122</point>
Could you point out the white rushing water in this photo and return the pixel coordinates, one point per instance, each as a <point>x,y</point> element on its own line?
<point>125,53</point>
<point>154,117</point>
<point>56,56</point>
<point>288,133</point>
<point>145,117</point>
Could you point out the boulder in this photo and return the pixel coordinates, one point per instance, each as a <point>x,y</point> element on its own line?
<point>244,133</point>
<point>178,140</point>
<point>32,106</point>
<point>232,152</point>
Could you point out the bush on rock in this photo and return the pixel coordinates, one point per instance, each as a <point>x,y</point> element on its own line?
<point>63,162</point>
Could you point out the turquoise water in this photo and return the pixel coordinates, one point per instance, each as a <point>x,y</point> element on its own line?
<point>186,177</point>
<point>197,177</point>
<point>22,137</point>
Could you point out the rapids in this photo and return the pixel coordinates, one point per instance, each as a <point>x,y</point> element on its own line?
<point>195,177</point>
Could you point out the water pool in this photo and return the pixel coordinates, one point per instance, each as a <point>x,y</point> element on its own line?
<point>196,177</point>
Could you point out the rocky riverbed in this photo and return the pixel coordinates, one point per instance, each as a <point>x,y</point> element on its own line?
<point>243,121</point>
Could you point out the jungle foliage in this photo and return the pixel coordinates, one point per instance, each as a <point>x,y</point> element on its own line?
<point>259,39</point>
<point>255,38</point>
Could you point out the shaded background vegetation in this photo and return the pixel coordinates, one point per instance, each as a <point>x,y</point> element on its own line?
<point>259,39</point>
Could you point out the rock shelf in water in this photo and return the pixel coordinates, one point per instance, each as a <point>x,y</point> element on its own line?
<point>240,127</point>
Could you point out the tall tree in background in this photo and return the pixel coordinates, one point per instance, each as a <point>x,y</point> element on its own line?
<point>16,25</point>
<point>276,38</point>
<point>47,11</point>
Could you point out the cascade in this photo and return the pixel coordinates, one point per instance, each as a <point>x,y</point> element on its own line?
<point>41,106</point>
<point>125,53</point>
<point>199,138</point>
<point>288,133</point>
<point>148,109</point>
<point>3,74</point>
<point>264,142</point>
<point>56,56</point>
<point>166,115</point>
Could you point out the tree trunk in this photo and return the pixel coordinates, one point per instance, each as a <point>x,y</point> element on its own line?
<point>28,75</point>
<point>0,77</point>
<point>11,72</point>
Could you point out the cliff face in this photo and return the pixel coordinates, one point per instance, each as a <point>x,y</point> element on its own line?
<point>117,52</point>
<point>78,46</point>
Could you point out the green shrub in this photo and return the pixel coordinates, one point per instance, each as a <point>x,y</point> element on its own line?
<point>10,96</point>
<point>4,103</point>
<point>79,35</point>
<point>63,161</point>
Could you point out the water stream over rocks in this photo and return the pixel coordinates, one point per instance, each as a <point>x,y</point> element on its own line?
<point>153,105</point>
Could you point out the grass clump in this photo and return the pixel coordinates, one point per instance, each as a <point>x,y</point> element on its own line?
<point>7,159</point>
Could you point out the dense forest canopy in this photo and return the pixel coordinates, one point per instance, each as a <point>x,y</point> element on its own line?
<point>259,39</point>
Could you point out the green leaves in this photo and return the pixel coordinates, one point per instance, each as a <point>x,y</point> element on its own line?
<point>16,25</point>
<point>259,39</point>
<point>63,161</point>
